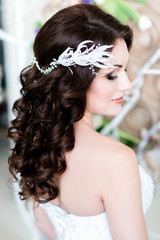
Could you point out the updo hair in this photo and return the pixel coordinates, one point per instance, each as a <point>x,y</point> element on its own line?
<point>43,128</point>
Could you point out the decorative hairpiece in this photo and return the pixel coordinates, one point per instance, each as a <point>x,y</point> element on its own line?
<point>93,56</point>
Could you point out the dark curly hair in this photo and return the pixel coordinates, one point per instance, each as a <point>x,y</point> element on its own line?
<point>43,128</point>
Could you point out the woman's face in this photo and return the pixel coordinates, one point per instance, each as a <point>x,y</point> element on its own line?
<point>106,92</point>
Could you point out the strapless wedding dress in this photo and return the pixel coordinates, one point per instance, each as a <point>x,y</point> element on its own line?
<point>73,227</point>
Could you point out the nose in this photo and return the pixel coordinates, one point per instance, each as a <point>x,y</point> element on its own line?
<point>124,82</point>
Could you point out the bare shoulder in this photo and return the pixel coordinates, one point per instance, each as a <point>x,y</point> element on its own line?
<point>111,151</point>
<point>114,160</point>
<point>96,147</point>
<point>117,160</point>
<point>120,190</point>
<point>104,155</point>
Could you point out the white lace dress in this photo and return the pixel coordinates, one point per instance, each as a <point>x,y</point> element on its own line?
<point>72,227</point>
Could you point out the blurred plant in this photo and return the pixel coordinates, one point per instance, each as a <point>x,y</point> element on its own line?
<point>118,8</point>
<point>128,139</point>
<point>38,26</point>
<point>87,1</point>
<point>100,121</point>
<point>121,9</point>
<point>81,1</point>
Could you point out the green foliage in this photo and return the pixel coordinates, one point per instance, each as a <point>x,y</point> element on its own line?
<point>104,123</point>
<point>128,139</point>
<point>141,1</point>
<point>38,26</point>
<point>121,10</point>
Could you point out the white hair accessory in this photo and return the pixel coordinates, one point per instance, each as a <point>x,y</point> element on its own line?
<point>93,56</point>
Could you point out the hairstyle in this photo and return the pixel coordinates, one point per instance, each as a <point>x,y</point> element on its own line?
<point>43,128</point>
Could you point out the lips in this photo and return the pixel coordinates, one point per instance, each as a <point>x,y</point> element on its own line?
<point>118,100</point>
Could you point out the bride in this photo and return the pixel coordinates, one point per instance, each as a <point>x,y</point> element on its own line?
<point>85,186</point>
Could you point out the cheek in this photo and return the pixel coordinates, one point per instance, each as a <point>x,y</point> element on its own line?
<point>103,89</point>
<point>98,98</point>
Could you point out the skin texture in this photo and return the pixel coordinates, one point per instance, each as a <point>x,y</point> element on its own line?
<point>102,174</point>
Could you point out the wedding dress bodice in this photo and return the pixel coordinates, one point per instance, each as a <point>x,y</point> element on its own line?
<point>73,227</point>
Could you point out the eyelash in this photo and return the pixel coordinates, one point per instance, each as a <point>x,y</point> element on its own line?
<point>112,77</point>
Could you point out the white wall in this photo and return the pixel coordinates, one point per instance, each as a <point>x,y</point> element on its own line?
<point>18,18</point>
<point>14,52</point>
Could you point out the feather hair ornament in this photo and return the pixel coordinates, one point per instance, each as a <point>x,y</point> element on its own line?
<point>97,56</point>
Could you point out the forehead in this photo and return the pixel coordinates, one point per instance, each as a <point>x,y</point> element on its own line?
<point>120,52</point>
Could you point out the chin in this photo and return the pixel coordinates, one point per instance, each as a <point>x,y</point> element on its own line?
<point>113,112</point>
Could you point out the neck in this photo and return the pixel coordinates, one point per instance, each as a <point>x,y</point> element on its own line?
<point>87,121</point>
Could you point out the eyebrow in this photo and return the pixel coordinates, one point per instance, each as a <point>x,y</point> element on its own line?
<point>118,65</point>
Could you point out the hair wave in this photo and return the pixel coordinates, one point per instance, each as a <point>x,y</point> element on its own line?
<point>43,128</point>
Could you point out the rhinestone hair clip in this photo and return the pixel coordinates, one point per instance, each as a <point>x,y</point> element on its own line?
<point>97,56</point>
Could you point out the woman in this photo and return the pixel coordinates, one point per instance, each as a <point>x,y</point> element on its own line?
<point>85,186</point>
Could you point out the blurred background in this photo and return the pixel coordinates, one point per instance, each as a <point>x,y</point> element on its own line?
<point>137,125</point>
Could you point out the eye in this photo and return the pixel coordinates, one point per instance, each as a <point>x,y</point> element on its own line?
<point>111,77</point>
